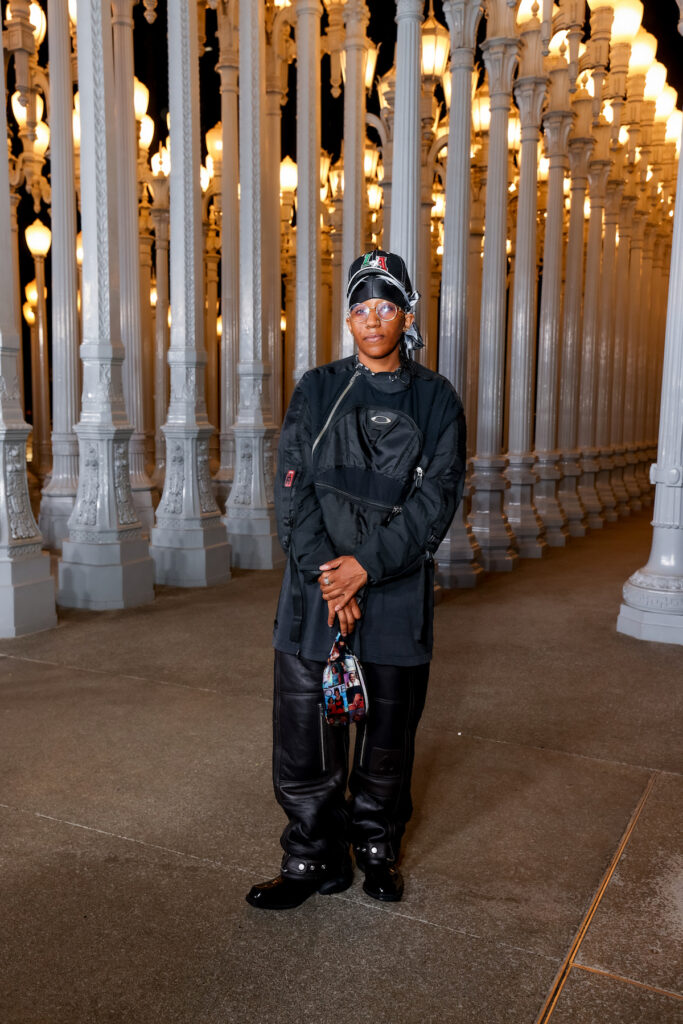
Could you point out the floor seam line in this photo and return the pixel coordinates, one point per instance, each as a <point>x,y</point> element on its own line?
<point>125,675</point>
<point>446,928</point>
<point>127,839</point>
<point>627,981</point>
<point>562,975</point>
<point>425,727</point>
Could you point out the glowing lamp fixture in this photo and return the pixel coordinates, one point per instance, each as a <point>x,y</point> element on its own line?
<point>29,315</point>
<point>558,44</point>
<point>665,103</point>
<point>76,128</point>
<point>370,65</point>
<point>73,12</point>
<point>643,50</point>
<point>525,11</point>
<point>655,80</point>
<point>79,248</point>
<point>435,46</point>
<point>628,15</point>
<point>325,161</point>
<point>370,161</point>
<point>140,98</point>
<point>337,180</point>
<point>374,196</point>
<point>42,138</point>
<point>38,239</point>
<point>481,111</point>
<point>283,323</point>
<point>204,178</point>
<point>161,162</point>
<point>219,327</point>
<point>214,142</point>
<point>288,175</point>
<point>596,4</point>
<point>20,112</point>
<point>37,18</point>
<point>31,293</point>
<point>146,131</point>
<point>543,168</point>
<point>514,132</point>
<point>439,207</point>
<point>674,126</point>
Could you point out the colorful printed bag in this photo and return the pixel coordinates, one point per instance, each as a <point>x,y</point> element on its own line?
<point>346,699</point>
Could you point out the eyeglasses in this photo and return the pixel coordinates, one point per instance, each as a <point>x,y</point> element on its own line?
<point>386,311</point>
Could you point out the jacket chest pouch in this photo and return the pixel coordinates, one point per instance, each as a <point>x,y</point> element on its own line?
<point>364,467</point>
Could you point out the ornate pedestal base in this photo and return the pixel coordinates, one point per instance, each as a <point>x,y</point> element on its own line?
<point>101,576</point>
<point>545,499</point>
<point>653,607</point>
<point>189,544</point>
<point>586,488</point>
<point>27,595</point>
<point>630,483</point>
<point>250,513</point>
<point>59,495</point>
<point>568,495</point>
<point>487,518</point>
<point>523,518</point>
<point>191,558</point>
<point>53,521</point>
<point>457,559</point>
<point>603,487</point>
<point>623,508</point>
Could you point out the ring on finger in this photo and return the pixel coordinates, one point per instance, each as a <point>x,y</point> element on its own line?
<point>327,581</point>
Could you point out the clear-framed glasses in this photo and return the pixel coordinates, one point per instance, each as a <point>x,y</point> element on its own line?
<point>386,311</point>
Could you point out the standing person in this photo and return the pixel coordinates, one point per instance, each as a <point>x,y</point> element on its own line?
<point>370,471</point>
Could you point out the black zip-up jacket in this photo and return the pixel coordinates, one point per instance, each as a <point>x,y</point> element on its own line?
<point>370,465</point>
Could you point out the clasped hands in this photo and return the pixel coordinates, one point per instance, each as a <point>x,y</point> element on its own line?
<point>340,580</point>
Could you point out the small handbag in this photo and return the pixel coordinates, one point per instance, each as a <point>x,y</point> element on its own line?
<point>346,699</point>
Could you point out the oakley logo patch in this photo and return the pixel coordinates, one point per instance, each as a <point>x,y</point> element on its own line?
<point>289,479</point>
<point>381,419</point>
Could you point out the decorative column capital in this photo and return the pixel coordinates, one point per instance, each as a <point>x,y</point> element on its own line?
<point>530,94</point>
<point>579,155</point>
<point>598,173</point>
<point>462,17</point>
<point>408,10</point>
<point>613,200</point>
<point>500,58</point>
<point>556,127</point>
<point>558,88</point>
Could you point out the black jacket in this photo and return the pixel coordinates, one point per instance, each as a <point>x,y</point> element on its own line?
<point>370,465</point>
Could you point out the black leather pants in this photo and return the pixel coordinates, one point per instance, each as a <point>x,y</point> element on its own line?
<point>310,763</point>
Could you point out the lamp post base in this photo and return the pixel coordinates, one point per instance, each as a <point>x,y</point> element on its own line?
<point>27,596</point>
<point>104,576</point>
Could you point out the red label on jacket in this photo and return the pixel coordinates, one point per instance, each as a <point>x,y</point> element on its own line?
<point>289,479</point>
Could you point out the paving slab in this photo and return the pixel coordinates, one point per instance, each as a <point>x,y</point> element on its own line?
<point>176,767</point>
<point>217,637</point>
<point>598,999</point>
<point>637,930</point>
<point>95,929</point>
<point>533,657</point>
<point>511,843</point>
<point>508,842</point>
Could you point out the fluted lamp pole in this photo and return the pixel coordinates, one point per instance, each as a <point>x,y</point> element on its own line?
<point>652,608</point>
<point>38,240</point>
<point>530,90</point>
<point>487,518</point>
<point>457,562</point>
<point>27,593</point>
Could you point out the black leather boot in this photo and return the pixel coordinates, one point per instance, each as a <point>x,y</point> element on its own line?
<point>298,880</point>
<point>383,880</point>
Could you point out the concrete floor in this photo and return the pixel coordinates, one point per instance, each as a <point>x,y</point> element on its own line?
<point>544,879</point>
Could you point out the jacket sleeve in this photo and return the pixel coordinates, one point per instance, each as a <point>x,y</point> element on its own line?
<point>427,512</point>
<point>301,528</point>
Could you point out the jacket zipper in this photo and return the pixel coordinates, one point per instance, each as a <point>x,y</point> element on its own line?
<point>394,509</point>
<point>323,758</point>
<point>334,409</point>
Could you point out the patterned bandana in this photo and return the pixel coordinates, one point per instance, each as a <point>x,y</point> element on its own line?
<point>390,269</point>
